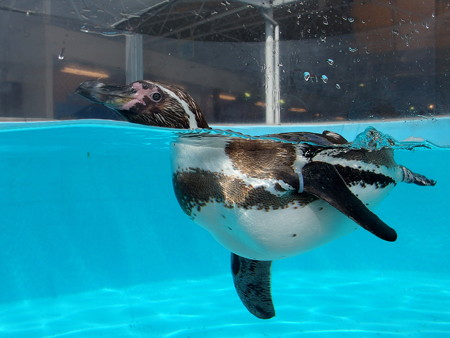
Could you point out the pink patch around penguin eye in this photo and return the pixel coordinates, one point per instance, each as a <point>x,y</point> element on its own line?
<point>139,96</point>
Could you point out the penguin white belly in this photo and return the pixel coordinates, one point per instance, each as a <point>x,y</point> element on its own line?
<point>277,234</point>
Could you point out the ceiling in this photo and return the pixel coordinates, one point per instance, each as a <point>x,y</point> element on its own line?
<point>224,20</point>
<point>204,20</point>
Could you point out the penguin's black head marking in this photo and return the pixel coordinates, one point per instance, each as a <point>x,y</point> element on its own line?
<point>147,102</point>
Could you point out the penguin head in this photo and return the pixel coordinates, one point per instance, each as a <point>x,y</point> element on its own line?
<point>147,102</point>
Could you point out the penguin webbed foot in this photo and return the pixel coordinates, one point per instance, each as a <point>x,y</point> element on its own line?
<point>412,177</point>
<point>252,282</point>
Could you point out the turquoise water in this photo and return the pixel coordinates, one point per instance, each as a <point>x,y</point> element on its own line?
<point>315,304</point>
<point>94,244</point>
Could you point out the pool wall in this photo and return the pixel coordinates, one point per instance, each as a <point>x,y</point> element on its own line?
<point>87,205</point>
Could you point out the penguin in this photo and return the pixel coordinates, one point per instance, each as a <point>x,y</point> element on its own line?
<point>263,198</point>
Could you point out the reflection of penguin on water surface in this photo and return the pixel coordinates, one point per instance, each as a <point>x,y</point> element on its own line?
<point>263,199</point>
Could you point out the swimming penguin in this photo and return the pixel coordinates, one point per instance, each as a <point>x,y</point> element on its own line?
<point>263,198</point>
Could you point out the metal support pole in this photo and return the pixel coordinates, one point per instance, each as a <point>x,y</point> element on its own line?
<point>48,70</point>
<point>272,74</point>
<point>276,75</point>
<point>269,85</point>
<point>134,66</point>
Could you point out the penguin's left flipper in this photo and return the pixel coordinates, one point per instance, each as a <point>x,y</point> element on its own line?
<point>252,282</point>
<point>323,181</point>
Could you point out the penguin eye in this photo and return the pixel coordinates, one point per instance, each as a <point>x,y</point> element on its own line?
<point>156,97</point>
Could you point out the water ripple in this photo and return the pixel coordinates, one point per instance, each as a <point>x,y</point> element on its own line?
<point>315,304</point>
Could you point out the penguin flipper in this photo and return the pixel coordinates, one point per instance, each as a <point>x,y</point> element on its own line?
<point>252,282</point>
<point>323,181</point>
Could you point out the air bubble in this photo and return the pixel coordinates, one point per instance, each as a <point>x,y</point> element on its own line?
<point>352,49</point>
<point>324,78</point>
<point>330,62</point>
<point>338,86</point>
<point>351,20</point>
<point>61,54</point>
<point>306,76</point>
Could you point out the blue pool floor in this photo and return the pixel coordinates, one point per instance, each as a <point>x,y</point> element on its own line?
<point>311,304</point>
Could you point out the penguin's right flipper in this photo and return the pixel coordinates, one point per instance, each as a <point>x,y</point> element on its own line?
<point>322,180</point>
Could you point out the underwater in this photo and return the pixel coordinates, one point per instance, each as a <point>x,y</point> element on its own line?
<point>111,253</point>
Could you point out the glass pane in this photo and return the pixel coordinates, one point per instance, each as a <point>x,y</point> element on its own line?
<point>338,60</point>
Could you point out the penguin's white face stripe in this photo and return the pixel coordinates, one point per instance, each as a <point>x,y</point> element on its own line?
<point>192,119</point>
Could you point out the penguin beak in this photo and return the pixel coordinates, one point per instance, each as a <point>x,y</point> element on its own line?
<point>109,95</point>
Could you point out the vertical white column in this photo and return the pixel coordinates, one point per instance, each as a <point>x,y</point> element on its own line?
<point>269,85</point>
<point>49,59</point>
<point>276,75</point>
<point>134,65</point>
<point>272,73</point>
